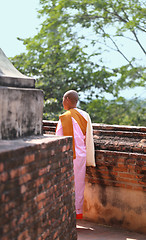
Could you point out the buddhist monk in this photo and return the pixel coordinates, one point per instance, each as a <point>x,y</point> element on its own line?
<point>77,123</point>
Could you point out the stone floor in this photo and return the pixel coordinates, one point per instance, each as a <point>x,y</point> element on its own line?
<point>92,231</point>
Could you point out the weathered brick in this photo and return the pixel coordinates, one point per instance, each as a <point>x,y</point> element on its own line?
<point>64,148</point>
<point>23,217</point>
<point>126,175</point>
<point>4,197</point>
<point>1,167</point>
<point>52,152</point>
<point>39,181</point>
<point>3,177</point>
<point>24,236</point>
<point>25,178</point>
<point>29,158</point>
<point>9,206</point>
<point>55,235</point>
<point>14,173</point>
<point>23,170</point>
<point>41,196</point>
<point>42,171</point>
<point>23,189</point>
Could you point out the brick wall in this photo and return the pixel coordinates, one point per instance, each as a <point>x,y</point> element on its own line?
<point>120,153</point>
<point>120,157</point>
<point>126,170</point>
<point>115,189</point>
<point>37,189</point>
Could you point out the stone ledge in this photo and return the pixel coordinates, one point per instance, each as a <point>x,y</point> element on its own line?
<point>32,141</point>
<point>112,137</point>
<point>126,128</point>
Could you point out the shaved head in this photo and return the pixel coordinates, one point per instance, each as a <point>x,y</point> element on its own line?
<point>70,99</point>
<point>72,95</point>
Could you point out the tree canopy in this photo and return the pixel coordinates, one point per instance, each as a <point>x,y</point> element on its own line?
<point>117,111</point>
<point>67,53</point>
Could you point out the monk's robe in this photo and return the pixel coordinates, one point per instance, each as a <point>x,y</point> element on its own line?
<point>76,123</point>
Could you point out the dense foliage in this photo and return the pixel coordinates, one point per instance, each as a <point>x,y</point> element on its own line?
<point>67,53</point>
<point>119,111</point>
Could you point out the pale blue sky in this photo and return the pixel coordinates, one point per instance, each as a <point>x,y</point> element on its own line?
<point>18,18</point>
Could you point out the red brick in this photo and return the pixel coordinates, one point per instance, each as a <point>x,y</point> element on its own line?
<point>42,171</point>
<point>64,148</point>
<point>46,234</point>
<point>42,211</point>
<point>23,189</point>
<point>25,179</point>
<point>10,205</point>
<point>52,152</point>
<point>23,217</point>
<point>63,169</point>
<point>69,147</point>
<point>127,180</point>
<point>40,204</point>
<point>14,223</point>
<point>55,235</point>
<point>3,176</point>
<point>39,181</point>
<point>29,158</point>
<point>14,173</point>
<point>23,235</point>
<point>143,168</point>
<point>5,228</point>
<point>41,196</point>
<point>22,170</point>
<point>1,167</point>
<point>126,175</point>
<point>63,218</point>
<point>4,197</point>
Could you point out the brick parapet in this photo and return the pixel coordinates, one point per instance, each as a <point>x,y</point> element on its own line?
<point>120,153</point>
<point>115,189</point>
<point>37,189</point>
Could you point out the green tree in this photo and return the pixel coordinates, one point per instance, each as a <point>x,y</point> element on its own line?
<point>118,111</point>
<point>59,56</point>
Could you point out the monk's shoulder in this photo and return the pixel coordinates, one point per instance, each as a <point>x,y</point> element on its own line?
<point>65,114</point>
<point>83,113</point>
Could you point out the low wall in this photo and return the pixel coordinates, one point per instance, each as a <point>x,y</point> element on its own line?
<point>115,191</point>
<point>37,189</point>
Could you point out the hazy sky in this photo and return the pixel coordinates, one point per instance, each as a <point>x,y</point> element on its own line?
<point>18,18</point>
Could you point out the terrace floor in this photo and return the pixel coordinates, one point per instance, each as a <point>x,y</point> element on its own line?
<point>91,231</point>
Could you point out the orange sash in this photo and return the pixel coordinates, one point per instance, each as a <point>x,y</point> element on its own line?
<point>66,121</point>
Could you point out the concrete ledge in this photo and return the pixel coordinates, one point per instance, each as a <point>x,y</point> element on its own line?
<point>21,112</point>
